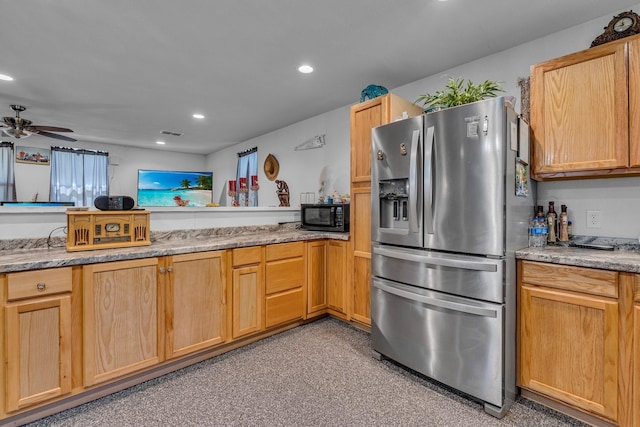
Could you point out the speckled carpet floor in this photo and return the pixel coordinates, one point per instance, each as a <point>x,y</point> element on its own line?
<point>320,374</point>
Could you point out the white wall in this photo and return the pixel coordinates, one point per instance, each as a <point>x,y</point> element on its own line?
<point>617,198</point>
<point>123,177</point>
<point>301,170</point>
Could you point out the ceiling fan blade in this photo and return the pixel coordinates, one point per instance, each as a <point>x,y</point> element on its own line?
<point>34,128</point>
<point>53,135</point>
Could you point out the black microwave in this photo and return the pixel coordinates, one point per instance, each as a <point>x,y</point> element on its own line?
<point>325,217</point>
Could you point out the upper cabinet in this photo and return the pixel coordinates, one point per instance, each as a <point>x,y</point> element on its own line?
<point>584,113</point>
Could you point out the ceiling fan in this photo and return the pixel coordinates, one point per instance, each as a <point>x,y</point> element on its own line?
<point>17,127</point>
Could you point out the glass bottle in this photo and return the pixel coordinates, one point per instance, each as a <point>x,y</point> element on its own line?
<point>551,223</point>
<point>563,224</point>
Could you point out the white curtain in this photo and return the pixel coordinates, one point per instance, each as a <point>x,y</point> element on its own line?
<point>78,175</point>
<point>7,172</point>
<point>248,166</point>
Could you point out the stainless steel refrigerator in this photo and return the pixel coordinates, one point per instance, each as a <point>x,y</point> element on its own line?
<point>451,202</point>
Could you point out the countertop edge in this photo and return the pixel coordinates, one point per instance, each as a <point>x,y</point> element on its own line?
<point>623,261</point>
<point>35,259</point>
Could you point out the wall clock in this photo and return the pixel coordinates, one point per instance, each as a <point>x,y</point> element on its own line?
<point>623,25</point>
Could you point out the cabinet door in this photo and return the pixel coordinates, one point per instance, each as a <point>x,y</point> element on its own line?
<point>635,399</point>
<point>38,334</point>
<point>336,276</point>
<point>120,318</point>
<point>579,113</point>
<point>365,116</point>
<point>195,301</point>
<point>569,348</point>
<point>361,247</point>
<point>316,276</point>
<point>248,298</point>
<point>634,103</point>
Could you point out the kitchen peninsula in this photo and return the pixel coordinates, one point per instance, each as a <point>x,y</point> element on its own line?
<point>110,318</point>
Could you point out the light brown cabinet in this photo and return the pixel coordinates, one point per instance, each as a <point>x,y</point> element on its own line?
<point>38,336</point>
<point>365,116</point>
<point>584,109</point>
<point>195,294</point>
<point>316,278</point>
<point>575,338</point>
<point>285,280</point>
<point>122,321</point>
<point>635,355</point>
<point>247,297</point>
<point>336,277</point>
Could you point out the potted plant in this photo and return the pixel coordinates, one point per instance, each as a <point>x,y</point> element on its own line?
<point>459,92</point>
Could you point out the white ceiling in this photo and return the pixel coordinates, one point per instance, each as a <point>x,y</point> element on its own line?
<point>120,71</point>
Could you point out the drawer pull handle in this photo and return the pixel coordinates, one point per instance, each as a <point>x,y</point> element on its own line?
<point>41,286</point>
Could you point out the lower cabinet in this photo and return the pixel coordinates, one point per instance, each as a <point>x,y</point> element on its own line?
<point>316,277</point>
<point>360,268</point>
<point>636,352</point>
<point>336,271</point>
<point>195,301</point>
<point>569,342</point>
<point>38,336</point>
<point>122,322</point>
<point>284,283</point>
<point>126,317</point>
<point>247,291</point>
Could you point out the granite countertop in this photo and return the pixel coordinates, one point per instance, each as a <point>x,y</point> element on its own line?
<point>32,254</point>
<point>625,256</point>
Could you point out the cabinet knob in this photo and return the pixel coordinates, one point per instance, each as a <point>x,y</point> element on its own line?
<point>170,269</point>
<point>41,286</point>
<point>162,270</point>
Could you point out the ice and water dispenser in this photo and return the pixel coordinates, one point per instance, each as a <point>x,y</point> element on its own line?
<point>394,203</point>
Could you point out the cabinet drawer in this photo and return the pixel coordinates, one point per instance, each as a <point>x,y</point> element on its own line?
<point>578,279</point>
<point>285,250</point>
<point>244,256</point>
<point>283,307</point>
<point>29,284</point>
<point>283,275</point>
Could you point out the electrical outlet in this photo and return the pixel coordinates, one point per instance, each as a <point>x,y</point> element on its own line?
<point>593,219</point>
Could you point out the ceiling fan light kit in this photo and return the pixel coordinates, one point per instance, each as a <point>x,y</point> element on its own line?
<point>18,127</point>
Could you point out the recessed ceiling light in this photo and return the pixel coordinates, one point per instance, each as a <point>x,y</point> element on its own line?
<point>6,77</point>
<point>198,116</point>
<point>305,69</point>
<point>160,142</point>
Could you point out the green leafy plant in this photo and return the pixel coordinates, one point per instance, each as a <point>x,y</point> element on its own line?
<point>460,92</point>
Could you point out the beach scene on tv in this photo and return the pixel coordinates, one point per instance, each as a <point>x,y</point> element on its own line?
<point>174,188</point>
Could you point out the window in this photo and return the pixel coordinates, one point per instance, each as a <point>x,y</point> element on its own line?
<point>7,173</point>
<point>247,168</point>
<point>78,175</point>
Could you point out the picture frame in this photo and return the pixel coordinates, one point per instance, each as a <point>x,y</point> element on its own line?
<point>33,155</point>
<point>174,188</point>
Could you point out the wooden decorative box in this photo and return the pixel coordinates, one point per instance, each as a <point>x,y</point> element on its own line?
<point>88,230</point>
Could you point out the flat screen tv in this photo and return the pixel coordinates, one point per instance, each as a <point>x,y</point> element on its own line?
<point>174,188</point>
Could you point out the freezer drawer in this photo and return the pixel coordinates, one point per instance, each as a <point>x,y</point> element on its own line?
<point>454,340</point>
<point>467,276</point>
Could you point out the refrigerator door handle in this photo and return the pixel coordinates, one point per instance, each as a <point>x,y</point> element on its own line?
<point>428,179</point>
<point>436,302</point>
<point>413,183</point>
<point>442,262</point>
